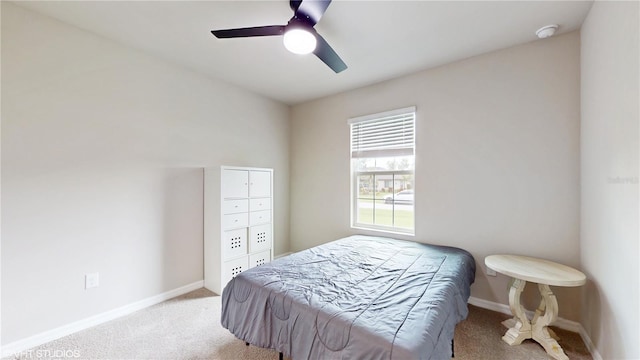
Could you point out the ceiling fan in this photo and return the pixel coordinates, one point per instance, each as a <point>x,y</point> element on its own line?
<point>299,35</point>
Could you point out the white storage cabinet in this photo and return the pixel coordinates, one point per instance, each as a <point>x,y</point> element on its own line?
<point>244,237</point>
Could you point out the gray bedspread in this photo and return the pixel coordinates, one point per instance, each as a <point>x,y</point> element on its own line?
<point>360,297</point>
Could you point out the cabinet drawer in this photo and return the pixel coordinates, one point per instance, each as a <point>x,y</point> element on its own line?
<point>259,217</point>
<point>259,237</point>
<point>235,206</point>
<point>260,258</point>
<point>233,221</point>
<point>260,204</point>
<point>234,243</point>
<point>234,267</point>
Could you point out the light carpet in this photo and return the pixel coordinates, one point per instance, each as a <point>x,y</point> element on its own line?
<point>188,327</point>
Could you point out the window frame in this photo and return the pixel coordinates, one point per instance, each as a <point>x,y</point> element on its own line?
<point>355,174</point>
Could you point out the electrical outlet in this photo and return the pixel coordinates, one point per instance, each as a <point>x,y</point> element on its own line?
<point>491,272</point>
<point>91,280</point>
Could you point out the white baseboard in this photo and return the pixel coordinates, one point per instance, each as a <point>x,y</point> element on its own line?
<point>560,322</point>
<point>282,255</point>
<point>590,345</point>
<point>50,335</point>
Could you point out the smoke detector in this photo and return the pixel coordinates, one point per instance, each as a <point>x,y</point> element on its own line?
<point>547,31</point>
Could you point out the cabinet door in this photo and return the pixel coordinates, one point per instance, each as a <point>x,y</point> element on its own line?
<point>259,259</point>
<point>259,238</point>
<point>234,243</point>
<point>235,184</point>
<point>233,268</point>
<point>260,184</point>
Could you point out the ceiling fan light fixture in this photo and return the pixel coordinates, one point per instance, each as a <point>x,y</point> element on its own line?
<point>299,41</point>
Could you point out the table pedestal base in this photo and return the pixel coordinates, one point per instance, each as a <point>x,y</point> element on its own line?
<point>520,328</point>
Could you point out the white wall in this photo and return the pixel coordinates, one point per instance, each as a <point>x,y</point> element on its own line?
<point>609,173</point>
<point>102,156</point>
<point>497,163</point>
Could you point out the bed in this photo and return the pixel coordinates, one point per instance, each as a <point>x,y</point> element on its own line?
<point>359,297</point>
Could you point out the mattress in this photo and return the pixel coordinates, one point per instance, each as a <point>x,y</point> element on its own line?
<point>359,297</point>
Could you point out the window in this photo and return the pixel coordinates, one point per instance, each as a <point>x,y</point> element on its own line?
<point>382,167</point>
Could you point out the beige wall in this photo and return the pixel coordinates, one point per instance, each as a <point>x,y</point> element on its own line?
<point>497,163</point>
<point>102,156</point>
<point>609,167</point>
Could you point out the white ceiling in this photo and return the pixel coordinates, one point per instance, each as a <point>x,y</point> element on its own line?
<point>378,40</point>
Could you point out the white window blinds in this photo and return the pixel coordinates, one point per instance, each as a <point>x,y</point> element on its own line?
<point>385,134</point>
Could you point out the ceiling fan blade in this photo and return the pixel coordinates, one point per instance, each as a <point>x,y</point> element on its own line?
<point>325,53</point>
<point>271,30</point>
<point>294,4</point>
<point>312,10</point>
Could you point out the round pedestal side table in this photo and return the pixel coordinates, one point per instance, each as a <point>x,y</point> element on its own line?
<point>544,273</point>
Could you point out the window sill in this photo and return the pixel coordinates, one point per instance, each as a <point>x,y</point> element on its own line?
<point>377,230</point>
